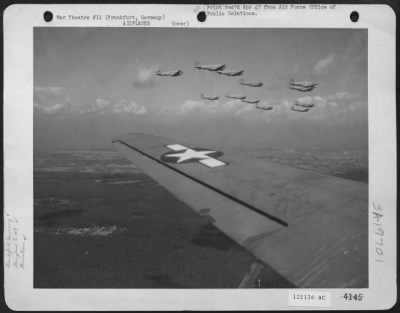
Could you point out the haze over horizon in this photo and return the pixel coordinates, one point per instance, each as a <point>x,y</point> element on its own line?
<point>94,84</point>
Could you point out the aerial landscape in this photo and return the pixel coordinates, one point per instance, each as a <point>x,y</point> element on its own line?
<point>101,221</point>
<point>103,203</point>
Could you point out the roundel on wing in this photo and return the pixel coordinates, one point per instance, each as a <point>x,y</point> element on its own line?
<point>190,155</point>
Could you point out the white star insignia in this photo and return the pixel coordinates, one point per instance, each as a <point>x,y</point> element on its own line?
<point>186,154</point>
<point>189,154</point>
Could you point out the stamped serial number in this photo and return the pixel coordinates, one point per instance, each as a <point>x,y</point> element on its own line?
<point>310,298</point>
<point>353,296</point>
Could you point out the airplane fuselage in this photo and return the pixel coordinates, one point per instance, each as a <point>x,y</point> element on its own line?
<point>297,110</point>
<point>302,89</point>
<point>212,68</point>
<point>230,73</point>
<point>171,73</point>
<point>236,97</point>
<point>302,86</point>
<point>305,105</point>
<point>251,84</point>
<point>264,108</point>
<point>251,101</point>
<point>209,98</point>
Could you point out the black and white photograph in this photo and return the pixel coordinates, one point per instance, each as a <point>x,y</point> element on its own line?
<point>200,158</point>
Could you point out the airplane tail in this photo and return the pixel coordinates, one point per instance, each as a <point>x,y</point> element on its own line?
<point>196,63</point>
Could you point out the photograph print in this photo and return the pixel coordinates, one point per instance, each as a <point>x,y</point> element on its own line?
<point>200,158</point>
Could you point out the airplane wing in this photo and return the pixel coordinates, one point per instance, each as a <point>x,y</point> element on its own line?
<point>309,227</point>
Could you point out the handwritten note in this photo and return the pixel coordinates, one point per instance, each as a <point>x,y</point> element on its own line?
<point>377,216</point>
<point>14,244</point>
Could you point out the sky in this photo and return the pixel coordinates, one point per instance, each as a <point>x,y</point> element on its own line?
<point>94,84</point>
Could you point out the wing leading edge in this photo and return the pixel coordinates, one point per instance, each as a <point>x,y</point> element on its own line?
<point>311,228</point>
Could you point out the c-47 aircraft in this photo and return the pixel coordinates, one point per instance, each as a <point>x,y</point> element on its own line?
<point>211,67</point>
<point>169,73</point>
<point>256,84</point>
<point>239,97</point>
<point>251,101</point>
<point>263,108</point>
<point>231,73</point>
<point>302,86</point>
<point>311,228</point>
<point>299,109</point>
<point>209,97</point>
<point>305,105</point>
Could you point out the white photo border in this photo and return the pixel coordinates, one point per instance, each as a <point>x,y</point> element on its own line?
<point>19,21</point>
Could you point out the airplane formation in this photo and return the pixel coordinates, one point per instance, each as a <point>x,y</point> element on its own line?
<point>220,69</point>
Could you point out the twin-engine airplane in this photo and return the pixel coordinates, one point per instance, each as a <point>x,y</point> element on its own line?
<point>305,105</point>
<point>169,73</point>
<point>211,67</point>
<point>302,86</point>
<point>231,73</point>
<point>299,109</point>
<point>311,228</point>
<point>251,101</point>
<point>209,97</point>
<point>255,84</point>
<point>238,97</point>
<point>263,108</point>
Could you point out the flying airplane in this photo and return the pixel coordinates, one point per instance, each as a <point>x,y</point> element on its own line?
<point>169,73</point>
<point>264,108</point>
<point>211,67</point>
<point>256,84</point>
<point>302,86</point>
<point>239,97</point>
<point>251,101</point>
<point>294,108</point>
<point>231,73</point>
<point>309,227</point>
<point>209,97</point>
<point>305,105</point>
